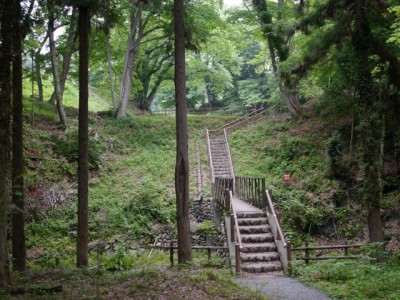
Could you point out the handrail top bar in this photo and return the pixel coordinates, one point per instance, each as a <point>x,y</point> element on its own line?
<point>255,114</point>
<point>328,247</point>
<point>248,177</point>
<point>235,121</point>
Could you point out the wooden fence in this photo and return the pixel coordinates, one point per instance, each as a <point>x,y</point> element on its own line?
<point>307,257</point>
<point>172,247</point>
<point>220,187</point>
<point>251,190</point>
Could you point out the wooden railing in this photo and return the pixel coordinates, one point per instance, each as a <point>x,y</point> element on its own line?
<point>252,118</point>
<point>229,154</point>
<point>251,190</point>
<point>233,110</point>
<point>284,248</point>
<point>222,185</point>
<point>210,158</point>
<point>307,250</point>
<point>220,130</point>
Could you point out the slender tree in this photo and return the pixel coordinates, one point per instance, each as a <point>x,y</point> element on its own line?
<point>83,176</point>
<point>18,220</point>
<point>278,50</point>
<point>5,103</point>
<point>182,161</point>
<point>56,77</point>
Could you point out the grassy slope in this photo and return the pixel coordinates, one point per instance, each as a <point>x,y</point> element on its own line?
<point>133,187</point>
<point>312,204</point>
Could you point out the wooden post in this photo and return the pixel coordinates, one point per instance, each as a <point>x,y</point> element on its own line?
<point>209,254</point>
<point>346,250</point>
<point>289,256</point>
<point>171,253</point>
<point>237,258</point>
<point>307,252</point>
<point>227,201</point>
<point>232,228</point>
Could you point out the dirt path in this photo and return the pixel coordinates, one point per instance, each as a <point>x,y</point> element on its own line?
<point>280,287</point>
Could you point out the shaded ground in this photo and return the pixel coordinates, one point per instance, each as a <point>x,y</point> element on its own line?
<point>147,283</point>
<point>279,287</point>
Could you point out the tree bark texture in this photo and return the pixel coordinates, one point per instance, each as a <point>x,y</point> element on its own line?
<point>69,49</point>
<point>370,124</point>
<point>110,71</point>
<point>54,65</point>
<point>182,161</point>
<point>288,94</point>
<point>83,174</point>
<point>5,103</point>
<point>38,74</point>
<point>18,219</point>
<point>132,48</point>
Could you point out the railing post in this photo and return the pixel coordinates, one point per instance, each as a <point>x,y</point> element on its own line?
<point>171,253</point>
<point>227,201</point>
<point>346,250</point>
<point>289,256</point>
<point>209,254</point>
<point>232,228</point>
<point>307,252</point>
<point>237,258</point>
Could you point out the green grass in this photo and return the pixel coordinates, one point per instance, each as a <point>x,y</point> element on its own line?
<point>353,280</point>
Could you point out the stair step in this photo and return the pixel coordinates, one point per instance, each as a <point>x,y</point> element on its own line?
<point>252,221</point>
<point>259,247</point>
<point>257,238</point>
<point>260,257</point>
<point>255,229</point>
<point>250,214</point>
<point>261,267</point>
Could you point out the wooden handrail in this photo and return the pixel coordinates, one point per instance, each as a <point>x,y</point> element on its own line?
<point>237,120</point>
<point>271,210</point>
<point>229,158</point>
<point>328,247</point>
<point>249,117</point>
<point>233,211</point>
<point>209,155</point>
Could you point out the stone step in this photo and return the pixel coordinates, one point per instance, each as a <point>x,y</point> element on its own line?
<point>259,247</point>
<point>252,221</point>
<point>257,238</point>
<point>261,267</point>
<point>250,214</point>
<point>255,229</point>
<point>260,257</point>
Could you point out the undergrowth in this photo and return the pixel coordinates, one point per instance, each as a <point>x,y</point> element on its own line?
<point>355,280</point>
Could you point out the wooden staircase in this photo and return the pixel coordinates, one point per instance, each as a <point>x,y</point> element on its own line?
<point>258,253</point>
<point>256,245</point>
<point>220,162</point>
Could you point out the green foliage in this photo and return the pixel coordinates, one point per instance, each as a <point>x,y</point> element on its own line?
<point>118,261</point>
<point>208,227</point>
<point>353,280</point>
<point>68,148</point>
<point>334,153</point>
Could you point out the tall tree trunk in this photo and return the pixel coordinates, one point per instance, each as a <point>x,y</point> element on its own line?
<point>369,124</point>
<point>5,103</point>
<point>209,95</point>
<point>288,94</point>
<point>83,176</point>
<point>56,78</point>
<point>182,161</point>
<point>69,49</point>
<point>38,74</point>
<point>110,71</point>
<point>18,220</point>
<point>132,48</point>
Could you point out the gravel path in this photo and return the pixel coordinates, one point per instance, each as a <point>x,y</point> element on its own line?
<point>279,287</point>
